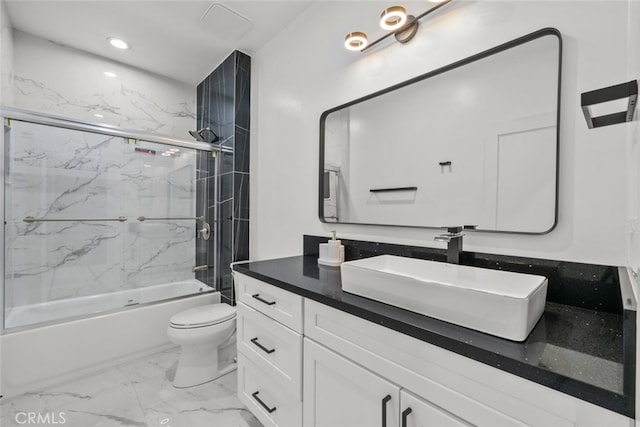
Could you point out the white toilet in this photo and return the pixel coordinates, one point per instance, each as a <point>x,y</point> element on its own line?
<point>207,337</point>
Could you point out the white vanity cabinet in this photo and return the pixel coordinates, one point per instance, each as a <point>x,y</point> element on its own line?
<point>302,363</point>
<point>269,337</point>
<point>340,393</point>
<point>438,384</point>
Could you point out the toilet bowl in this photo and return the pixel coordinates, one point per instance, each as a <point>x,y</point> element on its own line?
<point>202,332</point>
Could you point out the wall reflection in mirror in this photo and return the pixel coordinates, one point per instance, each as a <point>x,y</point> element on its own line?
<point>471,143</point>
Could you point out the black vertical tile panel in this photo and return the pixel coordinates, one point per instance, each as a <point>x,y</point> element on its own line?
<point>241,158</point>
<point>226,162</point>
<point>226,187</point>
<point>217,99</point>
<point>243,91</point>
<point>200,103</point>
<point>241,195</point>
<point>225,242</point>
<point>211,197</point>
<point>241,240</point>
<point>201,246</point>
<point>224,105</point>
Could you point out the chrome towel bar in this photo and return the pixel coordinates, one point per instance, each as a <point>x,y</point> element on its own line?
<point>144,218</point>
<point>30,219</point>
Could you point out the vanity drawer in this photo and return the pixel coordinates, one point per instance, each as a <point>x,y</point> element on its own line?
<point>274,348</point>
<point>278,304</point>
<point>265,398</point>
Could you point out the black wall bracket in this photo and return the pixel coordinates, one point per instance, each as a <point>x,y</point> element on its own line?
<point>624,90</point>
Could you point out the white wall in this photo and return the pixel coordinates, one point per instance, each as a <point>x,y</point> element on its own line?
<point>305,70</point>
<point>67,82</point>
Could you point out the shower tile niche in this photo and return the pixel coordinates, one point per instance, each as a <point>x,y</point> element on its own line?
<point>223,104</point>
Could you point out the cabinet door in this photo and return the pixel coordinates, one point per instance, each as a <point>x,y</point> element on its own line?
<point>416,412</point>
<point>339,393</point>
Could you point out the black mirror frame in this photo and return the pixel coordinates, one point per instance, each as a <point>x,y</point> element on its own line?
<point>549,31</point>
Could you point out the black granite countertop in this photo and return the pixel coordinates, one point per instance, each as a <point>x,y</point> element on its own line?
<point>583,352</point>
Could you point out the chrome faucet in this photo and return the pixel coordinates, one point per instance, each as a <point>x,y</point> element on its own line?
<point>453,237</point>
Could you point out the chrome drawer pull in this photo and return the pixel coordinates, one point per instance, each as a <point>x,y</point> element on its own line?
<point>257,296</point>
<point>255,396</point>
<point>261,347</point>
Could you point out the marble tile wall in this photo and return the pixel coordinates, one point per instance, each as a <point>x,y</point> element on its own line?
<point>223,104</point>
<point>65,174</point>
<point>67,82</point>
<point>6,55</point>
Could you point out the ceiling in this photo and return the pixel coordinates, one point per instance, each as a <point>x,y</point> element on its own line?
<point>181,39</point>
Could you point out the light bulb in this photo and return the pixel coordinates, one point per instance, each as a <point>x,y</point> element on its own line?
<point>355,40</point>
<point>393,17</point>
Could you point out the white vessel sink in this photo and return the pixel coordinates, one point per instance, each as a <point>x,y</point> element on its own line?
<point>496,302</point>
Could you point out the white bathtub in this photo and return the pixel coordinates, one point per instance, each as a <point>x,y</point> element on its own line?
<point>83,306</point>
<point>36,357</point>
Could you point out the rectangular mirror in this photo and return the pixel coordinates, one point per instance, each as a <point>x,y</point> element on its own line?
<point>474,142</point>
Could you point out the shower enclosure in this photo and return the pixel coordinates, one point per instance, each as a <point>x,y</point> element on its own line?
<point>99,219</point>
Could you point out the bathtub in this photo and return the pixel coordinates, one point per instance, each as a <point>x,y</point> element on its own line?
<point>35,357</point>
<point>90,305</point>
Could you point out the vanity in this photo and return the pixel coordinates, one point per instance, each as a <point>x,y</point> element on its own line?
<point>316,352</point>
<point>312,355</point>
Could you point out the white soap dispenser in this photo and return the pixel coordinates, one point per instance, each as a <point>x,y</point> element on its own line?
<point>332,252</point>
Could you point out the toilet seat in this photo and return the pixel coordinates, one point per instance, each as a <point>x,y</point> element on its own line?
<point>202,316</point>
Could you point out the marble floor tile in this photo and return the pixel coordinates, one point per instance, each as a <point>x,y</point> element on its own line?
<point>137,394</point>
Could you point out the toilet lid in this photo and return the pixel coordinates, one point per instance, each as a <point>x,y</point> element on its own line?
<point>204,315</point>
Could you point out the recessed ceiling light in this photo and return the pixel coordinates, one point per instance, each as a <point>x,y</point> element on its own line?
<point>166,154</point>
<point>118,43</point>
<point>110,74</point>
<point>146,165</point>
<point>98,115</point>
<point>174,150</point>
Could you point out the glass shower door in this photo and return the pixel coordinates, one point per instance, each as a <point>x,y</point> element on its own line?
<point>159,197</point>
<point>95,223</point>
<point>64,232</point>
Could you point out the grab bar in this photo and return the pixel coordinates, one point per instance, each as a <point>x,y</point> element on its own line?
<point>30,219</point>
<point>144,218</point>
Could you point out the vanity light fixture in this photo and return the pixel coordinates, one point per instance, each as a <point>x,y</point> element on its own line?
<point>118,43</point>
<point>395,20</point>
